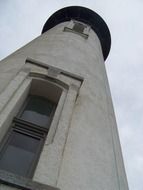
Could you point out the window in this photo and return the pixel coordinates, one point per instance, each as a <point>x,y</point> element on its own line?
<point>38,106</point>
<point>20,151</point>
<point>38,110</point>
<point>78,27</point>
<point>21,147</point>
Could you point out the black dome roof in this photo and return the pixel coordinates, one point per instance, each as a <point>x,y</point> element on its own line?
<point>86,16</point>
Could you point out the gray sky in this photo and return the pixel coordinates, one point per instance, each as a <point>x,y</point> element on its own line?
<point>22,21</point>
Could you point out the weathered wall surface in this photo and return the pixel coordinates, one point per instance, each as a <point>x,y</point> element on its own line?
<point>92,157</point>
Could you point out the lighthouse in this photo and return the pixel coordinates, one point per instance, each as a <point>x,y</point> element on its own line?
<point>57,122</point>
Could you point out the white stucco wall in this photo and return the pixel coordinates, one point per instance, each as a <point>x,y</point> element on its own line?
<point>92,157</point>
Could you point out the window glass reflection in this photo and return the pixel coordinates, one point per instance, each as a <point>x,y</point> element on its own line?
<point>38,110</point>
<point>19,153</point>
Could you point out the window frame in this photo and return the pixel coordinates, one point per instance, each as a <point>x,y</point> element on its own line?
<point>30,129</point>
<point>24,106</point>
<point>70,28</point>
<point>20,126</point>
<point>78,25</point>
<point>69,85</point>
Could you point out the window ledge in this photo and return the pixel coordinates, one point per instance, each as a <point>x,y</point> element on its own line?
<point>16,181</point>
<point>66,29</point>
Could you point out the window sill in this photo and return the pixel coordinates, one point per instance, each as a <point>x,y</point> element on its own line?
<point>16,181</point>
<point>66,29</point>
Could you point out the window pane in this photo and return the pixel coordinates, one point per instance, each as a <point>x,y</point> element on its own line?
<point>19,153</point>
<point>23,141</point>
<point>78,27</point>
<point>38,111</point>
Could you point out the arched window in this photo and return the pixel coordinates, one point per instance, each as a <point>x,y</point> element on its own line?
<point>21,147</point>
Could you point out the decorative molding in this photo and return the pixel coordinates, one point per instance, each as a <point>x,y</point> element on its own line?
<point>55,69</point>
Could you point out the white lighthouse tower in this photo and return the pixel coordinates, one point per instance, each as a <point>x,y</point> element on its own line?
<point>57,124</point>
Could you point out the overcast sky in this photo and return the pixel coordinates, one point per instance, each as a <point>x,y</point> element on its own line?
<point>21,21</point>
